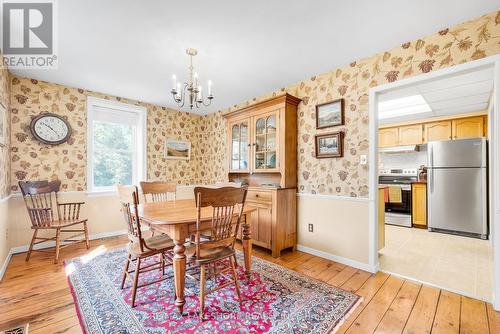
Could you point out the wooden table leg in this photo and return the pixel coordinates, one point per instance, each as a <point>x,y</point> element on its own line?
<point>179,272</point>
<point>247,246</point>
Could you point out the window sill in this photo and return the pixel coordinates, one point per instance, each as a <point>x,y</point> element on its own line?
<point>99,193</point>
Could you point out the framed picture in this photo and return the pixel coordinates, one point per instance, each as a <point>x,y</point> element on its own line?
<point>177,149</point>
<point>3,124</point>
<point>330,145</point>
<point>330,114</point>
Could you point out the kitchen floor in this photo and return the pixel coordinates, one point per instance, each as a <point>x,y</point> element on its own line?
<point>459,264</point>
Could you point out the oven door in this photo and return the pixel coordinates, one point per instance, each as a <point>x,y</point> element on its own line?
<point>405,206</point>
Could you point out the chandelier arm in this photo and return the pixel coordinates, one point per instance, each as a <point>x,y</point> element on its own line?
<point>183,94</point>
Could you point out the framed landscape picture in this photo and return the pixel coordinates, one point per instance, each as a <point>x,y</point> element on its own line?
<point>330,114</point>
<point>330,145</point>
<point>3,124</point>
<point>177,149</point>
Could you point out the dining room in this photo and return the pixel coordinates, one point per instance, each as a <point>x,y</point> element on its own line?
<point>143,191</point>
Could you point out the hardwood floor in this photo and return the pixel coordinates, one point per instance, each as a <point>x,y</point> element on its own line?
<point>37,292</point>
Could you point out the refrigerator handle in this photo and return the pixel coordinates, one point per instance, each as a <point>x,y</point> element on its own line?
<point>430,171</point>
<point>431,155</point>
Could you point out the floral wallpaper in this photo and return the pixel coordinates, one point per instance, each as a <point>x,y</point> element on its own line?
<point>4,150</point>
<point>215,150</point>
<point>468,41</point>
<point>31,159</point>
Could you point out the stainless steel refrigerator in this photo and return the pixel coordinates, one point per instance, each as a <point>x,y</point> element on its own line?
<point>457,187</point>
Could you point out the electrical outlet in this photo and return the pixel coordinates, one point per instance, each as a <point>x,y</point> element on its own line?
<point>310,227</point>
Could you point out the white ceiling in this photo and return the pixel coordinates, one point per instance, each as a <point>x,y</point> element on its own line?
<point>247,48</point>
<point>461,93</point>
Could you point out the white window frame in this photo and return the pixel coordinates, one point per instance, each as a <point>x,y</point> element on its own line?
<point>140,158</point>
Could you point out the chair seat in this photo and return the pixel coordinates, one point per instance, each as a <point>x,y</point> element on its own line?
<point>209,255</point>
<point>60,224</point>
<point>158,243</point>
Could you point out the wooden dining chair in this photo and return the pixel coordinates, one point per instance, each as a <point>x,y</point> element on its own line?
<point>217,252</point>
<point>159,191</point>
<point>47,213</point>
<point>139,247</point>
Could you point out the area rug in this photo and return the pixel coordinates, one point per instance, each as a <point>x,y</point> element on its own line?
<point>276,300</point>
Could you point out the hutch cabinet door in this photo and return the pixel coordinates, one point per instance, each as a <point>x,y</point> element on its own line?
<point>239,146</point>
<point>266,142</point>
<point>261,222</point>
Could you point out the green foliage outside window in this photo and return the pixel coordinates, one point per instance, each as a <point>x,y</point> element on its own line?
<point>113,153</point>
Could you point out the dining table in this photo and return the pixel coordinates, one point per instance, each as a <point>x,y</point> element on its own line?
<point>178,219</point>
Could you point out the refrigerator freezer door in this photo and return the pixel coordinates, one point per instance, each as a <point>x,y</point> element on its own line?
<point>457,200</point>
<point>457,153</point>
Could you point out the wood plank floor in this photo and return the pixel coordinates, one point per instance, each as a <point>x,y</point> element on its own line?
<point>37,292</point>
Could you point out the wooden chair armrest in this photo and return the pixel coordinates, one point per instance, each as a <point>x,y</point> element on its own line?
<point>70,210</point>
<point>68,203</point>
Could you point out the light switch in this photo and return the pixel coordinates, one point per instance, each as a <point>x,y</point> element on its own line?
<point>363,160</point>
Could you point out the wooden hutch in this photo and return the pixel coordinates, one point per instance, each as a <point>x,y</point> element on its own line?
<point>262,153</point>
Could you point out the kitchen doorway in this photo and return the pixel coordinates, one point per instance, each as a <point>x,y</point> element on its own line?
<point>423,235</point>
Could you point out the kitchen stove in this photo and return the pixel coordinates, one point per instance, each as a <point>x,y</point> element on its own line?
<point>399,213</point>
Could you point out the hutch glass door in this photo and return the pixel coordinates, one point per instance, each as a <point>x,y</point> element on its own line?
<point>265,157</point>
<point>239,147</point>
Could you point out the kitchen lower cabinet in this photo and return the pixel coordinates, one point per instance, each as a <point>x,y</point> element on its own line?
<point>419,205</point>
<point>273,223</point>
<point>381,219</point>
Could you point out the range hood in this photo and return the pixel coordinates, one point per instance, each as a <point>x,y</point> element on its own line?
<point>399,149</point>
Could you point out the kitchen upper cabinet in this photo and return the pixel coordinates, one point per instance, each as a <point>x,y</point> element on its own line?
<point>470,127</point>
<point>239,146</point>
<point>410,135</point>
<point>388,137</point>
<point>444,129</point>
<point>437,131</point>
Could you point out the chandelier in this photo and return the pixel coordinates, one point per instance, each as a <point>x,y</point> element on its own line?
<point>191,90</point>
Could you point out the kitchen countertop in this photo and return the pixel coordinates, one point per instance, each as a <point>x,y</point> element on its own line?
<point>419,182</point>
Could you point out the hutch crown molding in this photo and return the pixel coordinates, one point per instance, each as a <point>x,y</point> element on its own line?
<point>262,152</point>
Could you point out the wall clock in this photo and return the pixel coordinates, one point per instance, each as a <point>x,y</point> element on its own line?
<point>50,129</point>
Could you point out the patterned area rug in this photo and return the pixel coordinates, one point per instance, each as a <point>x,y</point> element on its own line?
<point>276,300</point>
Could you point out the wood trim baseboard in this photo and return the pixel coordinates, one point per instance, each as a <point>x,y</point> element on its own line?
<point>339,259</point>
<point>5,264</point>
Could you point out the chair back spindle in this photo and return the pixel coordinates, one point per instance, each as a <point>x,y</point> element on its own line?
<point>40,198</point>
<point>129,199</point>
<point>159,191</point>
<point>225,202</point>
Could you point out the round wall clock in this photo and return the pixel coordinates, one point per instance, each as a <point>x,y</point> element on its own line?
<point>50,129</point>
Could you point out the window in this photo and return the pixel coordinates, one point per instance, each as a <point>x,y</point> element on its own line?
<point>116,144</point>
